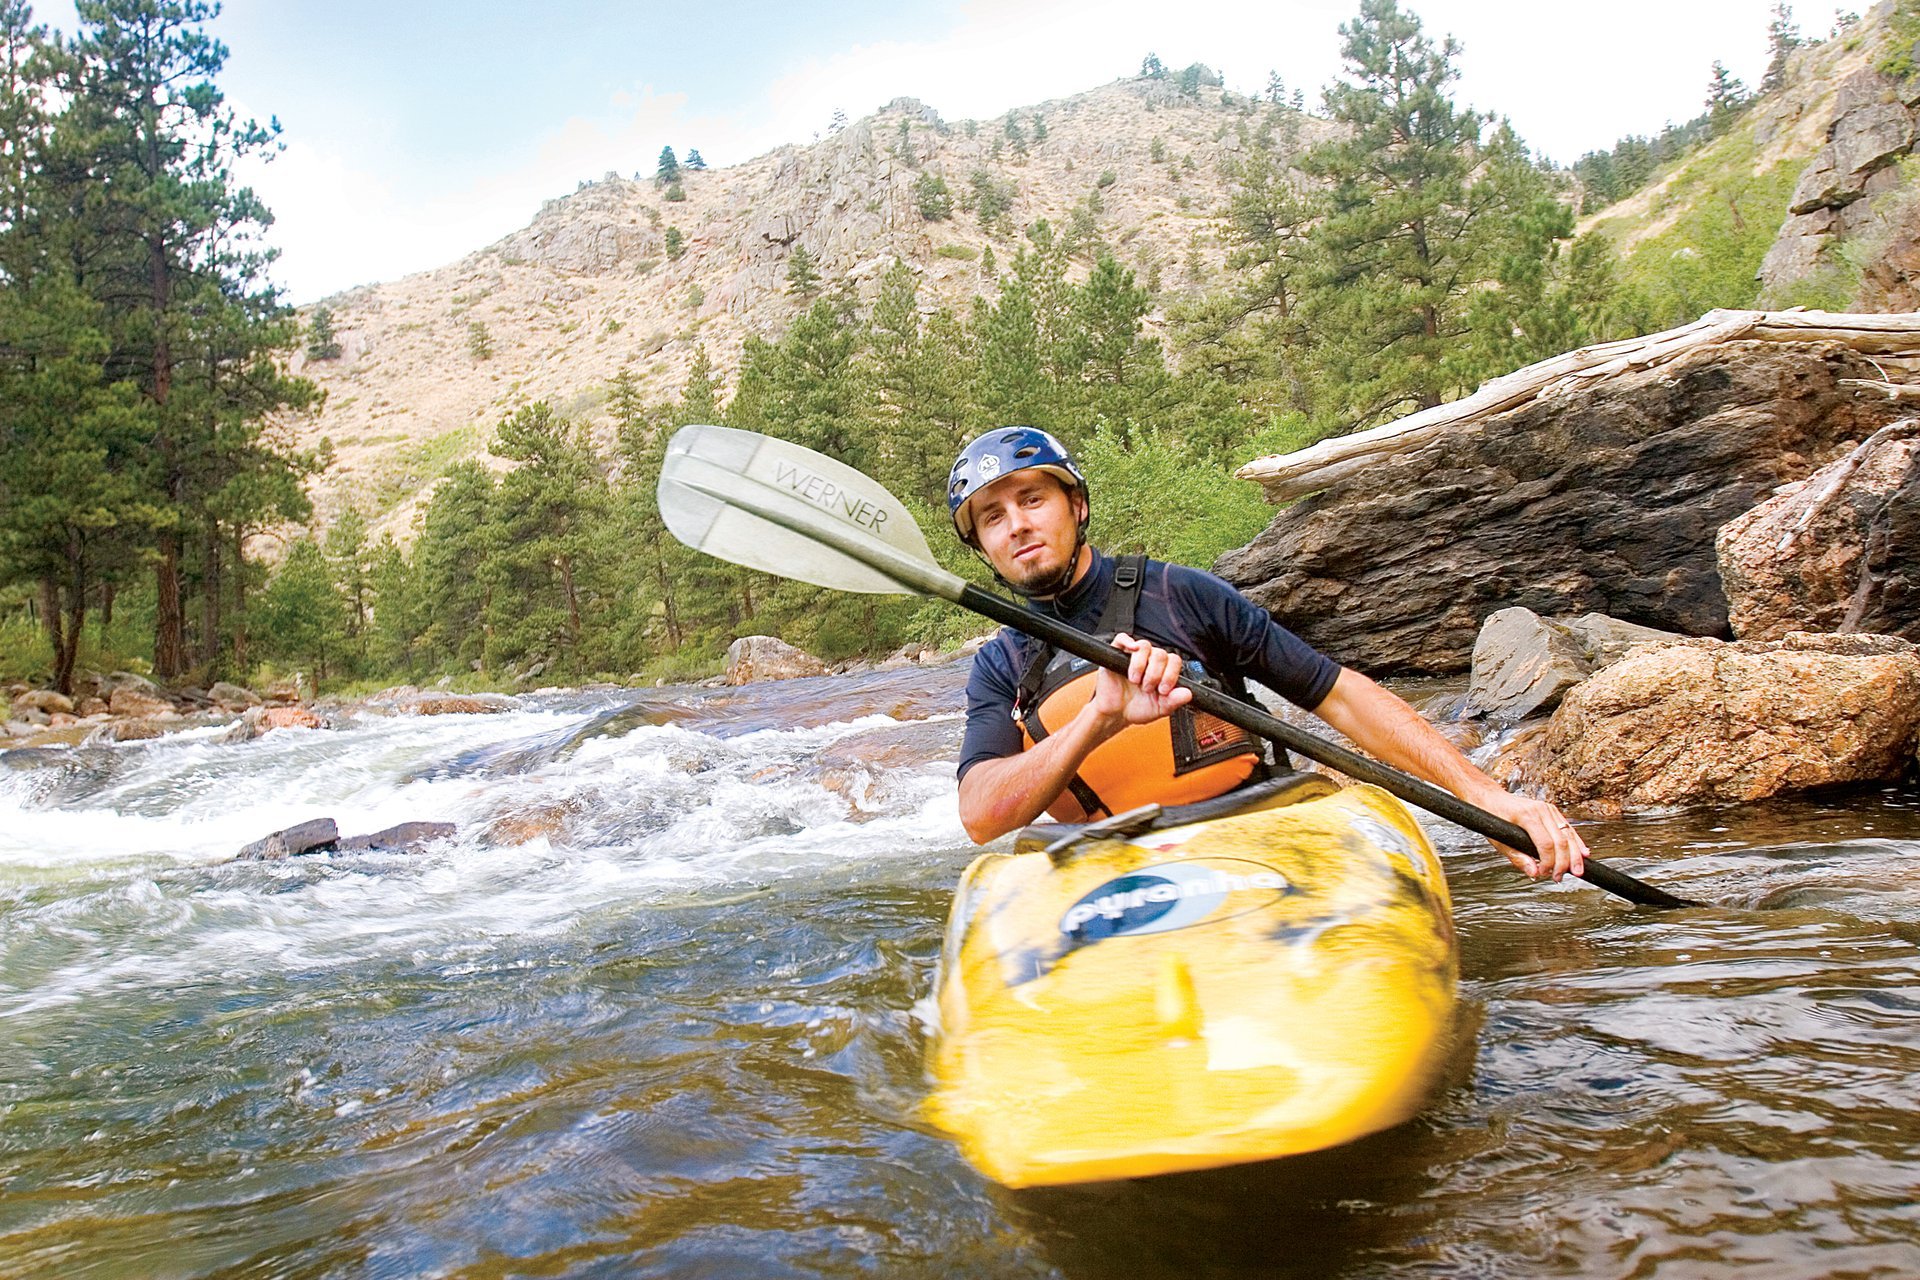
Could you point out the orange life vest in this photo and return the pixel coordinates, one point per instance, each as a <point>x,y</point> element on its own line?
<point>1178,759</point>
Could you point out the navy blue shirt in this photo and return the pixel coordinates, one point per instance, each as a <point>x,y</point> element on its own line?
<point>1191,612</point>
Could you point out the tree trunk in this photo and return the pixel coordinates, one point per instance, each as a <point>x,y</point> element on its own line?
<point>67,654</point>
<point>106,606</point>
<point>210,602</point>
<point>53,618</point>
<point>573,605</point>
<point>239,603</point>
<point>169,623</point>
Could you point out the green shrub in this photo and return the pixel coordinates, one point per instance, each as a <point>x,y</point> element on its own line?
<point>962,252</point>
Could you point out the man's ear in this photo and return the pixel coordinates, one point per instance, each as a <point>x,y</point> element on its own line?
<point>1081,511</point>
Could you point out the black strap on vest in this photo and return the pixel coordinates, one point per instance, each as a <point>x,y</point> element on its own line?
<point>1116,616</point>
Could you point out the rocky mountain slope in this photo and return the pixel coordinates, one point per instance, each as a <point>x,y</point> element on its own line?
<point>588,288</point>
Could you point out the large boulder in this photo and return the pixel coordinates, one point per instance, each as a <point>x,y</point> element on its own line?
<point>1838,551</point>
<point>135,703</point>
<point>47,700</point>
<point>1707,721</point>
<point>754,658</point>
<point>1604,499</point>
<point>232,697</point>
<point>1524,663</point>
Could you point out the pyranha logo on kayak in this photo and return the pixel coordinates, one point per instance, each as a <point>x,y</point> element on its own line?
<point>1172,895</point>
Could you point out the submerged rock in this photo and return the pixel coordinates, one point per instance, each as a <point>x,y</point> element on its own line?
<point>1702,721</point>
<point>1839,551</point>
<point>322,835</point>
<point>306,837</point>
<point>755,658</point>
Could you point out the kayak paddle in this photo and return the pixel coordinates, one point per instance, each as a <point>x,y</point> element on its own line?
<point>783,509</point>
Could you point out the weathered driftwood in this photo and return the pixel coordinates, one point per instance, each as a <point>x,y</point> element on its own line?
<point>1290,475</point>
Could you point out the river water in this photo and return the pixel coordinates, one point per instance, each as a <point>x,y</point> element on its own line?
<point>661,1009</point>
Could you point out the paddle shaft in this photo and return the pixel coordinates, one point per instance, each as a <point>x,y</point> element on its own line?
<point>1352,763</point>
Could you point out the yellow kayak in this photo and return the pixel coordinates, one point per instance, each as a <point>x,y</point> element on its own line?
<point>1206,991</point>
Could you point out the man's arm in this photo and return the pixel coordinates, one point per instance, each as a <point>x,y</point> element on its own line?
<point>1385,727</point>
<point>998,796</point>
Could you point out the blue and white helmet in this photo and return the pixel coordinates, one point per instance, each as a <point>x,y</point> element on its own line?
<point>1001,452</point>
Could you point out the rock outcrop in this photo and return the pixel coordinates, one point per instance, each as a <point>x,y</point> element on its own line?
<point>755,658</point>
<point>1841,189</point>
<point>1706,721</point>
<point>1838,551</point>
<point>1599,498</point>
<point>1523,663</point>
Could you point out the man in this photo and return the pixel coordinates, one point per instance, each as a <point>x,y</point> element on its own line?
<point>1045,734</point>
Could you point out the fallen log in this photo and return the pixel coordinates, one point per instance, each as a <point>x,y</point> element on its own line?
<point>1289,475</point>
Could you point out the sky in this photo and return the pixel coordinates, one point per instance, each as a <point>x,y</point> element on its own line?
<point>416,131</point>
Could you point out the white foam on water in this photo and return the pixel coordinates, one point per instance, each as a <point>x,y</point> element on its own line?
<point>133,886</point>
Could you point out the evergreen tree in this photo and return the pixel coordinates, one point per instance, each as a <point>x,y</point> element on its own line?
<point>694,160</point>
<point>1412,224</point>
<point>676,244</point>
<point>349,558</point>
<point>301,614</point>
<point>450,581</point>
<point>1725,97</point>
<point>546,565</point>
<point>479,341</point>
<point>931,197</point>
<point>803,277</point>
<point>674,193</point>
<point>321,342</point>
<point>1151,68</point>
<point>1253,333</point>
<point>1783,37</point>
<point>922,404</point>
<point>396,624</point>
<point>838,122</point>
<point>700,399</point>
<point>668,170</point>
<point>141,159</point>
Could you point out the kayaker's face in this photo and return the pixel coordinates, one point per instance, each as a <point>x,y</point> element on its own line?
<point>1025,525</point>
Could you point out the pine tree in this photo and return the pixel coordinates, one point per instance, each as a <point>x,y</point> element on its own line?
<point>301,615</point>
<point>931,197</point>
<point>1151,68</point>
<point>544,565</point>
<point>1783,37</point>
<point>1726,96</point>
<point>450,566</point>
<point>321,342</point>
<point>838,122</point>
<point>695,160</point>
<point>348,558</point>
<point>143,155</point>
<point>1412,221</point>
<point>803,277</point>
<point>676,244</point>
<point>396,624</point>
<point>668,170</point>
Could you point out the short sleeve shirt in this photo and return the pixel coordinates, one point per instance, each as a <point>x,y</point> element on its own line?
<point>1187,610</point>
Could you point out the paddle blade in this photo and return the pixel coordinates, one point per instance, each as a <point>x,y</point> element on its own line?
<point>775,506</point>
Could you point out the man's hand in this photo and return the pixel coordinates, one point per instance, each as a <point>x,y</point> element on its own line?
<point>1562,851</point>
<point>1150,690</point>
<point>1385,727</point>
